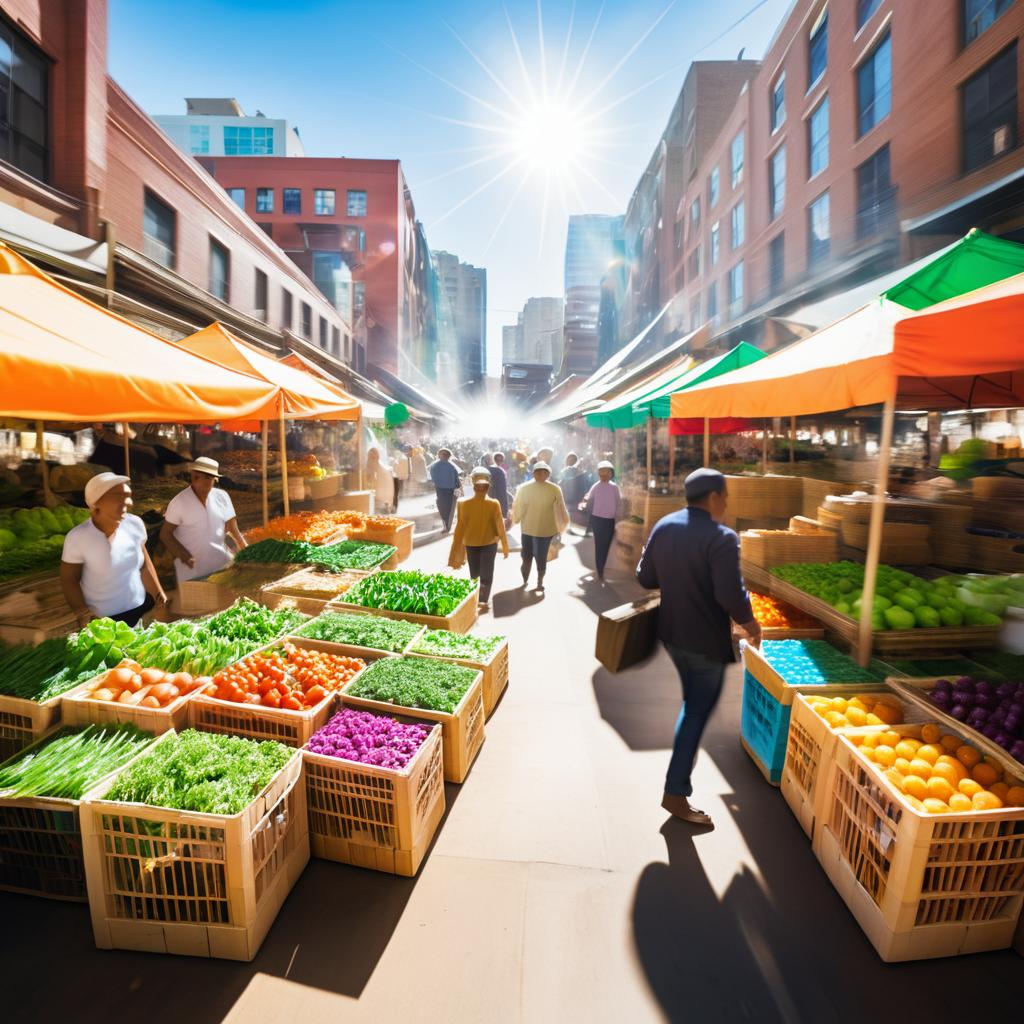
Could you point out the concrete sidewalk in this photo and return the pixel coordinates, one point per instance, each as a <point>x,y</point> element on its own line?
<point>557,890</point>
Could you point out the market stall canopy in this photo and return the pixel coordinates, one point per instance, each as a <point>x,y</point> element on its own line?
<point>305,397</point>
<point>744,354</point>
<point>65,358</point>
<point>728,425</point>
<point>971,360</point>
<point>633,408</point>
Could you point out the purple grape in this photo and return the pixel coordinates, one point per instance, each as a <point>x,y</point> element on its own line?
<point>943,698</point>
<point>964,683</point>
<point>990,730</point>
<point>959,712</point>
<point>1002,739</point>
<point>943,684</point>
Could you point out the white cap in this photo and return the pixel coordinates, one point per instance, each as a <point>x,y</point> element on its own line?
<point>205,465</point>
<point>480,471</point>
<point>100,484</point>
<point>605,464</point>
<point>541,465</point>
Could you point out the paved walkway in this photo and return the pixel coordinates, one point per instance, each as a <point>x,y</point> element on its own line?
<point>557,890</point>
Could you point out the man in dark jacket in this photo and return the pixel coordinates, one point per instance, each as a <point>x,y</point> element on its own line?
<point>695,561</point>
<point>499,481</point>
<point>445,478</point>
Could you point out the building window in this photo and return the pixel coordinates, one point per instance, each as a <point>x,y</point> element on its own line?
<point>291,200</point>
<point>237,196</point>
<point>777,263</point>
<point>199,139</point>
<point>714,243</point>
<point>712,300</point>
<point>876,198</point>
<point>329,277</point>
<point>736,159</point>
<point>158,229</point>
<point>24,104</point>
<point>242,140</point>
<point>323,333</point>
<point>713,188</point>
<point>261,295</point>
<point>307,321</point>
<point>695,213</point>
<point>980,15</point>
<point>777,183</point>
<point>286,309</point>
<point>693,264</point>
<point>355,203</point>
<point>817,50</point>
<point>323,202</point>
<point>695,312</point>
<point>335,342</point>
<point>778,111</point>
<point>819,233</point>
<point>874,87</point>
<point>865,8</point>
<point>220,271</point>
<point>358,299</point>
<point>817,139</point>
<point>737,222</point>
<point>736,290</point>
<point>990,111</point>
<point>677,234</point>
<point>264,200</point>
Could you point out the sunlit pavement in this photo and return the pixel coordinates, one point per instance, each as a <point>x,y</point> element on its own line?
<point>557,890</point>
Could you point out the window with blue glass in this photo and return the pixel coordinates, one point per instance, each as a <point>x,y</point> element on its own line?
<point>220,271</point>
<point>243,140</point>
<point>264,200</point>
<point>24,104</point>
<point>778,111</point>
<point>291,200</point>
<point>355,202</point>
<point>714,243</point>
<point>777,183</point>
<point>199,138</point>
<point>980,15</point>
<point>865,8</point>
<point>874,87</point>
<point>990,110</point>
<point>323,202</point>
<point>712,300</point>
<point>817,49</point>
<point>736,289</point>
<point>738,225</point>
<point>713,187</point>
<point>158,230</point>
<point>819,230</point>
<point>736,159</point>
<point>237,196</point>
<point>777,263</point>
<point>817,139</point>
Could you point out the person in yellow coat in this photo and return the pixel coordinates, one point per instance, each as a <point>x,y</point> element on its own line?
<point>479,528</point>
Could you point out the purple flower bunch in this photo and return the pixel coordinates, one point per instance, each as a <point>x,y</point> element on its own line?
<point>367,738</point>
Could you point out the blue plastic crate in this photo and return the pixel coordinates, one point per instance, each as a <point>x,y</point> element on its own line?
<point>764,725</point>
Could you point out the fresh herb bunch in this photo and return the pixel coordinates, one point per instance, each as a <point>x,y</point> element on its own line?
<point>201,771</point>
<point>348,554</point>
<point>409,590</point>
<point>247,620</point>
<point>456,645</point>
<point>73,761</point>
<point>361,631</point>
<point>414,683</point>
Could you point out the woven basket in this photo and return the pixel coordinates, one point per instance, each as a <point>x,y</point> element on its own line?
<point>325,487</point>
<point>997,554</point>
<point>764,497</point>
<point>1007,488</point>
<point>829,520</point>
<point>855,535</point>
<point>805,525</point>
<point>952,549</point>
<point>816,491</point>
<point>768,548</point>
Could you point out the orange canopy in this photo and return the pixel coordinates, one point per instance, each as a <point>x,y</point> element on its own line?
<point>304,396</point>
<point>64,358</point>
<point>967,352</point>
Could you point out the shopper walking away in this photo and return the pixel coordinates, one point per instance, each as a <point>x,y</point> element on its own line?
<point>401,471</point>
<point>540,509</point>
<point>418,465</point>
<point>696,563</point>
<point>479,529</point>
<point>445,478</point>
<point>198,522</point>
<point>603,502</point>
<point>499,483</point>
<point>380,480</point>
<point>499,461</point>
<point>105,569</point>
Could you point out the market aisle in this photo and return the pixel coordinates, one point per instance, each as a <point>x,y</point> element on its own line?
<point>557,890</point>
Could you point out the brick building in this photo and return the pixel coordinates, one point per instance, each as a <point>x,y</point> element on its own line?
<point>93,190</point>
<point>873,133</point>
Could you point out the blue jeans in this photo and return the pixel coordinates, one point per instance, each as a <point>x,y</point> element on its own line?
<point>701,677</point>
<point>535,548</point>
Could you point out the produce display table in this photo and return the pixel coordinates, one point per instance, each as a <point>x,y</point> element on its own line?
<point>458,621</point>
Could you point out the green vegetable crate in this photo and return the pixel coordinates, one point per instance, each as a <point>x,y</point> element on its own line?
<point>191,883</point>
<point>41,839</point>
<point>24,721</point>
<point>460,620</point>
<point>255,722</point>
<point>462,731</point>
<point>494,671</point>
<point>372,817</point>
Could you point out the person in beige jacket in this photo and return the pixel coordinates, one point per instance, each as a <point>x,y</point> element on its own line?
<point>540,510</point>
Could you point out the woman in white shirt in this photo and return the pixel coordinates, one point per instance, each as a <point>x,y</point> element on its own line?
<point>379,480</point>
<point>198,522</point>
<point>105,569</point>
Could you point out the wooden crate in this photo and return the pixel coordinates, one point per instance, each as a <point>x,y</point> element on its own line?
<point>462,731</point>
<point>996,554</point>
<point>200,597</point>
<point>494,670</point>
<point>282,592</point>
<point>765,497</point>
<point>193,884</point>
<point>893,534</point>
<point>77,708</point>
<point>768,548</point>
<point>39,614</point>
<point>459,621</point>
<point>23,721</point>
<point>814,492</point>
<point>379,818</point>
<point>755,576</point>
<point>920,885</point>
<point>402,538</point>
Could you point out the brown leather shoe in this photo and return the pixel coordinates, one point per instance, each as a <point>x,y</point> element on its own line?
<point>679,807</point>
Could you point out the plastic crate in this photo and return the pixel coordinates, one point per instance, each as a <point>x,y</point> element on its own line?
<point>372,817</point>
<point>920,885</point>
<point>23,721</point>
<point>167,881</point>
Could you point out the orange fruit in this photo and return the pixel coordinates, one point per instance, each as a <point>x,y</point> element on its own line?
<point>933,806</point>
<point>871,740</point>
<point>916,804</point>
<point>838,704</point>
<point>873,719</point>
<point>929,753</point>
<point>907,748</point>
<point>984,774</point>
<point>888,712</point>
<point>915,786</point>
<point>857,702</point>
<point>920,768</point>
<point>969,787</point>
<point>885,755</point>
<point>986,801</point>
<point>939,788</point>
<point>1000,789</point>
<point>950,742</point>
<point>947,772</point>
<point>931,733</point>
<point>890,738</point>
<point>959,802</point>
<point>835,719</point>
<point>856,716</point>
<point>894,778</point>
<point>967,756</point>
<point>868,753</point>
<point>952,762</point>
<point>902,765</point>
<point>1014,796</point>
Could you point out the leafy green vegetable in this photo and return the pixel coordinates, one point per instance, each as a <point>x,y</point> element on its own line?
<point>361,631</point>
<point>247,620</point>
<point>201,771</point>
<point>456,645</point>
<point>409,590</point>
<point>414,683</point>
<point>348,554</point>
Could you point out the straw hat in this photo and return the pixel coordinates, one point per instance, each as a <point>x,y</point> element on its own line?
<point>205,465</point>
<point>100,484</point>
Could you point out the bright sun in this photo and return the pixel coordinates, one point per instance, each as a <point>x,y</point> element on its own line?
<point>549,136</point>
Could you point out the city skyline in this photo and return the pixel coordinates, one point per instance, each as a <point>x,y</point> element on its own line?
<point>431,87</point>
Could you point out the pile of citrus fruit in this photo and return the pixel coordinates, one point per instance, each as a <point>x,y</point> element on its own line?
<point>864,709</point>
<point>939,773</point>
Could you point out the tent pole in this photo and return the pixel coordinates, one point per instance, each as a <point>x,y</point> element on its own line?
<point>360,440</point>
<point>650,442</point>
<point>284,459</point>
<point>127,442</point>
<point>792,439</point>
<point>707,440</point>
<point>44,469</point>
<point>671,460</point>
<point>764,449</point>
<point>266,499</point>
<point>867,598</point>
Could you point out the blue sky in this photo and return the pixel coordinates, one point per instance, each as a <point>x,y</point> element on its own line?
<point>442,87</point>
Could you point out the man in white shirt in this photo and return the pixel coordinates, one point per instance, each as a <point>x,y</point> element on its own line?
<point>197,523</point>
